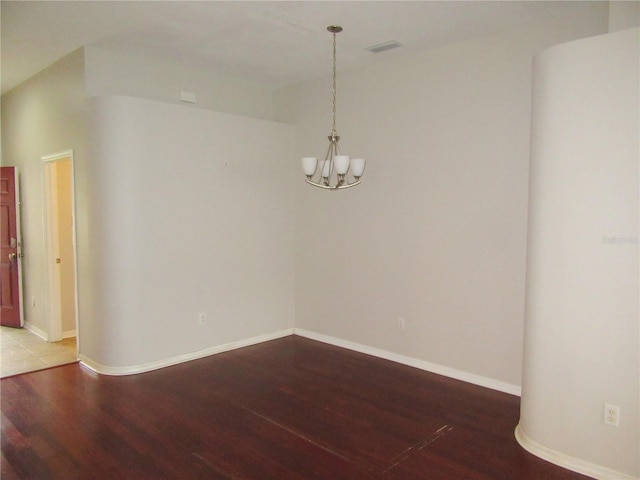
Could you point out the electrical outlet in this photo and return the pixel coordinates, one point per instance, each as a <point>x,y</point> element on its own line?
<point>202,319</point>
<point>612,415</point>
<point>401,323</point>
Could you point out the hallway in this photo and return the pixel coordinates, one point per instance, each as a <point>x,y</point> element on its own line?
<point>22,351</point>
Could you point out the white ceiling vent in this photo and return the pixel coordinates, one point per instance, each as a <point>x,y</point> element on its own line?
<point>381,47</point>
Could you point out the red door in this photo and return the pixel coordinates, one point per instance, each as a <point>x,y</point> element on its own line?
<point>10,257</point>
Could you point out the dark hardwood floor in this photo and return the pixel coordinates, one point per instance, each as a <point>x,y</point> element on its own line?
<point>286,409</point>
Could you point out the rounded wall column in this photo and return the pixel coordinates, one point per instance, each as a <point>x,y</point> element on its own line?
<point>581,327</point>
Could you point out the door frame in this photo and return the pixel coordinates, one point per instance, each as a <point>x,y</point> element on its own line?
<point>16,173</point>
<point>50,217</point>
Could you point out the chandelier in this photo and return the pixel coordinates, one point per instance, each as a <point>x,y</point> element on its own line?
<point>336,171</point>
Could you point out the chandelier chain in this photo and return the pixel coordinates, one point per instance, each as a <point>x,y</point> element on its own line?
<point>333,130</point>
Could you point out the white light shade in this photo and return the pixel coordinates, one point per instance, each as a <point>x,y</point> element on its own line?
<point>309,165</point>
<point>342,164</point>
<point>357,167</point>
<point>327,168</point>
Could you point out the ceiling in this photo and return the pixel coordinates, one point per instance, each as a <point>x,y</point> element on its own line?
<point>273,43</point>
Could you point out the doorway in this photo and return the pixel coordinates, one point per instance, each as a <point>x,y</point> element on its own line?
<point>60,244</point>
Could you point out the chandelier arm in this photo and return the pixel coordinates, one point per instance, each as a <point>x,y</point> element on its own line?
<point>350,185</point>
<point>328,156</point>
<point>328,187</point>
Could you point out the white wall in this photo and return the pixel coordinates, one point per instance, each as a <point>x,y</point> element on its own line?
<point>111,71</point>
<point>582,328</point>
<point>191,212</point>
<point>623,14</point>
<point>42,116</point>
<point>48,114</point>
<point>436,234</point>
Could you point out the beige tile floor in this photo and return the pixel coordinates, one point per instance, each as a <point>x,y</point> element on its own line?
<point>22,351</point>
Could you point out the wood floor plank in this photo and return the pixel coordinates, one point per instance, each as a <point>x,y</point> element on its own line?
<point>287,409</point>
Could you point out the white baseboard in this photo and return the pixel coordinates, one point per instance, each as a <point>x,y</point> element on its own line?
<point>394,357</point>
<point>69,334</point>
<point>36,331</point>
<point>565,461</point>
<point>414,362</point>
<point>44,335</point>
<point>167,362</point>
